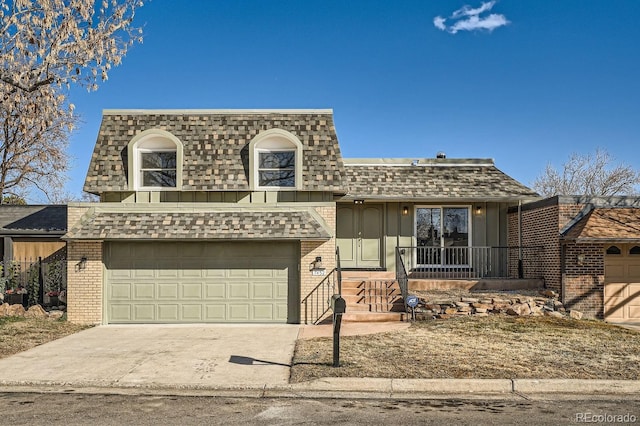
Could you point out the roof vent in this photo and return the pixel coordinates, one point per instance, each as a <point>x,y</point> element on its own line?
<point>441,154</point>
<point>415,162</point>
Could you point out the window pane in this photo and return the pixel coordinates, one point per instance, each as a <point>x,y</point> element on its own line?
<point>613,250</point>
<point>428,227</point>
<point>455,227</point>
<point>163,178</point>
<point>277,160</point>
<point>158,160</point>
<point>277,178</point>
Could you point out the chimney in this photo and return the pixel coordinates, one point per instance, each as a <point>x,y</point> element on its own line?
<point>441,154</point>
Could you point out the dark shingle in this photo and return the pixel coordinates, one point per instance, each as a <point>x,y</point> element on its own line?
<point>440,179</point>
<point>215,147</point>
<point>33,219</point>
<point>228,225</point>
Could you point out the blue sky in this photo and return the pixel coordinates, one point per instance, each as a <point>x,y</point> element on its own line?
<point>526,83</point>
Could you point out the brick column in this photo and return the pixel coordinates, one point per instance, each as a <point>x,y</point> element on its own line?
<point>309,250</point>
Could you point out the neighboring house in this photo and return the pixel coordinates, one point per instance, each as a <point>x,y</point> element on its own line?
<point>30,232</point>
<point>591,251</point>
<point>215,216</point>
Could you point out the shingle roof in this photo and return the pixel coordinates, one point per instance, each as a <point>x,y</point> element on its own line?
<point>33,220</point>
<point>432,179</point>
<point>607,224</point>
<point>215,147</point>
<point>228,225</point>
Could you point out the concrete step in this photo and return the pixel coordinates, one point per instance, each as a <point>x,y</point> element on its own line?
<point>368,275</point>
<point>395,306</point>
<point>374,316</point>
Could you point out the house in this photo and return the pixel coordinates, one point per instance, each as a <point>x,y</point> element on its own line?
<point>591,251</point>
<point>235,216</point>
<point>30,232</point>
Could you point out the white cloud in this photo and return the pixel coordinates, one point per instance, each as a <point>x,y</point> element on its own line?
<point>467,11</point>
<point>472,23</point>
<point>469,19</point>
<point>439,21</point>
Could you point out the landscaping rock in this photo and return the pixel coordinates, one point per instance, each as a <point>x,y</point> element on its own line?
<point>443,316</point>
<point>36,311</point>
<point>4,309</point>
<point>465,309</point>
<point>462,304</point>
<point>433,307</point>
<point>479,305</point>
<point>549,293</point>
<point>554,314</point>
<point>469,300</point>
<point>480,310</point>
<point>55,315</point>
<point>575,314</point>
<point>16,310</point>
<point>513,312</point>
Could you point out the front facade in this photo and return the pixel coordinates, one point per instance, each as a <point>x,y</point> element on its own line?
<point>235,216</point>
<point>592,251</point>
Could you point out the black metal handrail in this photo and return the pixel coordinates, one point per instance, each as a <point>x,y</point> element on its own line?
<point>401,277</point>
<point>318,302</point>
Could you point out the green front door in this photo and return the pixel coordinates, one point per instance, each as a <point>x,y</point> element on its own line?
<point>359,235</point>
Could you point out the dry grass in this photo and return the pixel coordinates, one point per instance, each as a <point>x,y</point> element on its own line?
<point>497,347</point>
<point>18,334</point>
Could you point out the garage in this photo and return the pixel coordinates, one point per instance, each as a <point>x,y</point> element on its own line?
<point>201,282</point>
<point>622,283</point>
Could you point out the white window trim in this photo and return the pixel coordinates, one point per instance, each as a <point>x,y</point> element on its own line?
<point>283,141</point>
<point>139,169</point>
<point>441,207</point>
<point>134,150</point>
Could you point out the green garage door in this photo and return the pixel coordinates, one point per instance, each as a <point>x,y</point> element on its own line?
<point>191,282</point>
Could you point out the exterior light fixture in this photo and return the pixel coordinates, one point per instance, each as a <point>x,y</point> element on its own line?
<point>405,211</point>
<point>82,264</point>
<point>580,259</point>
<point>358,201</point>
<point>478,210</point>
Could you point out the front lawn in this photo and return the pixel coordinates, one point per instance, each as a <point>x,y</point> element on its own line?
<point>18,334</point>
<point>494,347</point>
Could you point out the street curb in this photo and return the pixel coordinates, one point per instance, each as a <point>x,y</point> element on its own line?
<point>565,386</point>
<point>353,388</point>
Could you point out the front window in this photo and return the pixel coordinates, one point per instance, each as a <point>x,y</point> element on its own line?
<point>442,235</point>
<point>277,168</point>
<point>158,169</point>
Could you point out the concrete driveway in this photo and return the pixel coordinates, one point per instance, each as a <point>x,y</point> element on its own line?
<point>179,356</point>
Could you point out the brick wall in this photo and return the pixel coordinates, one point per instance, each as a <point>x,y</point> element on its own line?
<point>584,280</point>
<point>309,250</point>
<point>540,228</point>
<point>84,282</point>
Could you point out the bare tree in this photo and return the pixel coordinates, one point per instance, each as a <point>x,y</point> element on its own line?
<point>58,42</point>
<point>33,152</point>
<point>590,174</point>
<point>45,47</point>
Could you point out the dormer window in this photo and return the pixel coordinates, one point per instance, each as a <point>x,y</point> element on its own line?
<point>277,168</point>
<point>275,161</point>
<point>155,161</point>
<point>157,168</point>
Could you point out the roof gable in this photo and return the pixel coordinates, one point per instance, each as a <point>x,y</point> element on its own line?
<point>607,224</point>
<point>216,147</point>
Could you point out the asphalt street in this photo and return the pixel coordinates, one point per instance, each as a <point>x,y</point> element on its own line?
<point>83,409</point>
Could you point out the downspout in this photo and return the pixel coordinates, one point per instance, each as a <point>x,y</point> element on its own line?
<point>520,267</point>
